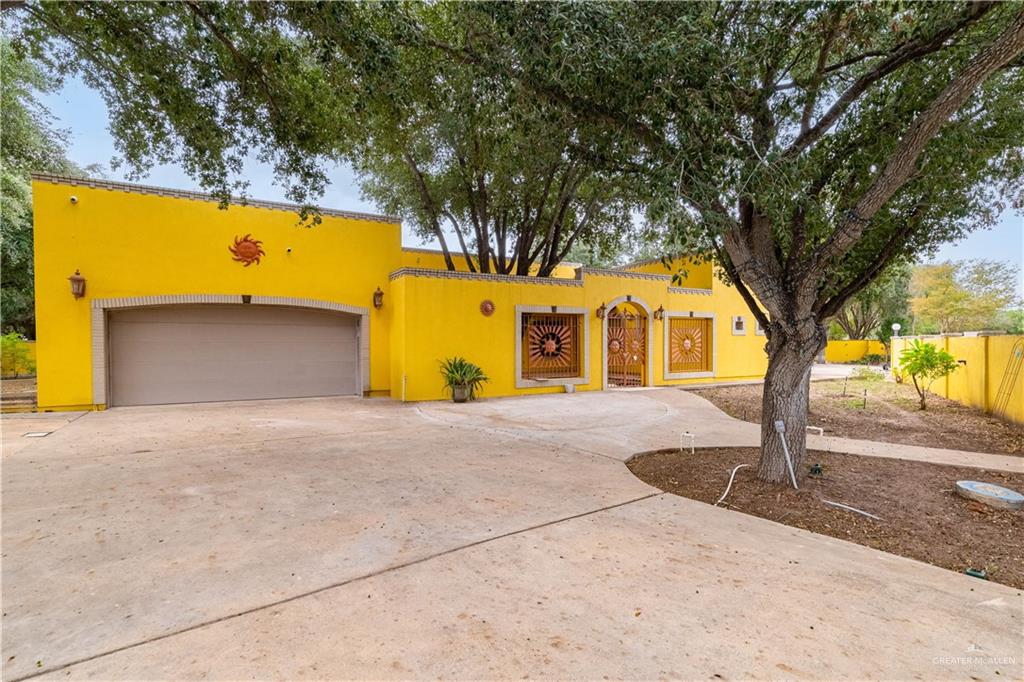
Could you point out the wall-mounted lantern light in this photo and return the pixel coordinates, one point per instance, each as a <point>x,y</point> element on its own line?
<point>77,284</point>
<point>378,299</point>
<point>601,309</point>
<point>659,313</point>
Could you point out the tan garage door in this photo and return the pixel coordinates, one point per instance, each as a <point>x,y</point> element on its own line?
<point>198,353</point>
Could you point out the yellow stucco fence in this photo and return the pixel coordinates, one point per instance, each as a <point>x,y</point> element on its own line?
<point>977,382</point>
<point>852,351</point>
<point>20,361</point>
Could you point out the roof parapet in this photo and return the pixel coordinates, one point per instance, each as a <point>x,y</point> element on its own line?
<point>202,196</point>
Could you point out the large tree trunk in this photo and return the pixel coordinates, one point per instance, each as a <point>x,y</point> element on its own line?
<point>786,398</point>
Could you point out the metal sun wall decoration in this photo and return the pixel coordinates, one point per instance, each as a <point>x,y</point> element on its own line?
<point>686,347</point>
<point>247,250</point>
<point>550,345</point>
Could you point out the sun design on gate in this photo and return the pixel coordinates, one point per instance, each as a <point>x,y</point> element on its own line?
<point>624,343</point>
<point>687,346</point>
<point>247,250</point>
<point>550,345</point>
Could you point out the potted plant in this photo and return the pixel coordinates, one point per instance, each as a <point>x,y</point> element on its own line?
<point>462,378</point>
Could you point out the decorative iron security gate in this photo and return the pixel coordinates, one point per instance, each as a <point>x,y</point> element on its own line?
<point>689,344</point>
<point>627,348</point>
<point>551,346</point>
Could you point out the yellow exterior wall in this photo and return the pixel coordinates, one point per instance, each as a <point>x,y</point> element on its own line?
<point>977,382</point>
<point>458,328</point>
<point>133,244</point>
<point>133,241</point>
<point>852,350</point>
<point>694,275</point>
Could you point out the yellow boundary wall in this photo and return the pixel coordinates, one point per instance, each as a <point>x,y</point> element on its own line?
<point>852,351</point>
<point>977,382</point>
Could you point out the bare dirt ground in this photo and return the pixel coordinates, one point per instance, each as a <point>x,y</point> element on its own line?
<point>922,517</point>
<point>890,414</point>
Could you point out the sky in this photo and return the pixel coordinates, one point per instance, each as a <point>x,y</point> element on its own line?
<point>82,111</point>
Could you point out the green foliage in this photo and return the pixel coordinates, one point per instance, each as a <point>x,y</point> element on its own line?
<point>459,372</point>
<point>925,364</point>
<point>29,142</point>
<point>966,295</point>
<point>516,186</point>
<point>873,359</point>
<point>1013,321</point>
<point>887,298</point>
<point>596,256</point>
<point>15,359</point>
<point>783,112</point>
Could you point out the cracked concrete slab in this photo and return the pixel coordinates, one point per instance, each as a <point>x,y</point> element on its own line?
<point>661,588</point>
<point>365,538</point>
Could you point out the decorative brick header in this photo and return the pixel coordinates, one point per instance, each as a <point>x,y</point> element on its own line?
<point>483,277</point>
<point>628,274</point>
<point>201,196</point>
<point>686,290</point>
<point>555,281</point>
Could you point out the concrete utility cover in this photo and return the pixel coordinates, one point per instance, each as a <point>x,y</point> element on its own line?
<point>991,494</point>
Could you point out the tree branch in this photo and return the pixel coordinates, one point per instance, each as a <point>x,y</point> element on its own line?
<point>903,160</point>
<point>904,54</point>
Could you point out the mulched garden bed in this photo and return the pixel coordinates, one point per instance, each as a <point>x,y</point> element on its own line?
<point>922,516</point>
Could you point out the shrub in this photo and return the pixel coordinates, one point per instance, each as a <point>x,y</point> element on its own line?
<point>458,372</point>
<point>14,356</point>
<point>874,359</point>
<point>924,363</point>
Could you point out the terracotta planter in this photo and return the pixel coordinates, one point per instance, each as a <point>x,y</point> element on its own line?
<point>460,394</point>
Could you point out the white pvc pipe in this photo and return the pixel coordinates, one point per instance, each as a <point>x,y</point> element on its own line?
<point>686,434</point>
<point>729,487</point>
<point>849,508</point>
<point>780,427</point>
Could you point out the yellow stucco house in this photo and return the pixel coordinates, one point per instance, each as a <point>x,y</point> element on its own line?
<point>147,295</point>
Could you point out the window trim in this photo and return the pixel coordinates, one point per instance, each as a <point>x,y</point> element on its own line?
<point>667,334</point>
<point>743,330</point>
<point>562,381</point>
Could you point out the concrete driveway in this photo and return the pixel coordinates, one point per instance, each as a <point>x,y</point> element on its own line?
<point>347,538</point>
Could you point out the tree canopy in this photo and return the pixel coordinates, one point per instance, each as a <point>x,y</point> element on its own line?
<point>29,142</point>
<point>516,186</point>
<point>875,307</point>
<point>805,145</point>
<point>969,295</point>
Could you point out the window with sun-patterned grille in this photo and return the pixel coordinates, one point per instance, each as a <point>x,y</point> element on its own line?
<point>552,346</point>
<point>689,344</point>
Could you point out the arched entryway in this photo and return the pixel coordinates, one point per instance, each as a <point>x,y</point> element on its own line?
<point>626,336</point>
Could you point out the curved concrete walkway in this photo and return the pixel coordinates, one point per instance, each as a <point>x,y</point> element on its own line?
<point>652,419</point>
<point>345,538</point>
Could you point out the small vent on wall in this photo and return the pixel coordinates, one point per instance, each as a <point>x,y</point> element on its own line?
<point>246,298</point>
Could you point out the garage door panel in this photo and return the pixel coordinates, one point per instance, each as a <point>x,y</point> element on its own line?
<point>200,353</point>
